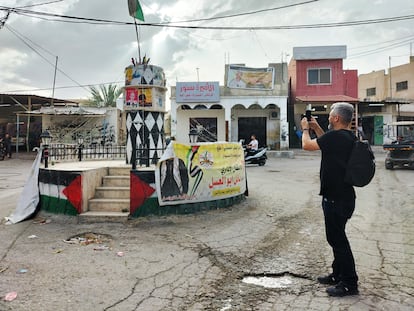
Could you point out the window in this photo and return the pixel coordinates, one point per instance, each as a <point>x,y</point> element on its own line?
<point>206,129</point>
<point>402,85</point>
<point>371,91</point>
<point>319,76</point>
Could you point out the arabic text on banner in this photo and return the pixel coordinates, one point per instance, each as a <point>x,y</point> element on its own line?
<point>198,173</point>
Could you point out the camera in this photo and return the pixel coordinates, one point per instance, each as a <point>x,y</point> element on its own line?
<point>308,113</point>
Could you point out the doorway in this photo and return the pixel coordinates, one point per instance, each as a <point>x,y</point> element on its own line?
<point>252,125</point>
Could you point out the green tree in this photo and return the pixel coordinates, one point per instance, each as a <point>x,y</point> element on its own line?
<point>104,95</point>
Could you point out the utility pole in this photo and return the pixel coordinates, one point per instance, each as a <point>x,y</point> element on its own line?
<point>54,82</point>
<point>389,73</point>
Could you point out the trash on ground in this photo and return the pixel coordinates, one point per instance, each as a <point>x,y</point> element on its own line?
<point>42,221</point>
<point>120,254</point>
<point>22,271</point>
<point>101,248</point>
<point>10,296</point>
<point>33,236</point>
<point>88,238</point>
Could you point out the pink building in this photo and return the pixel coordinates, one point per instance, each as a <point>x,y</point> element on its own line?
<point>317,78</point>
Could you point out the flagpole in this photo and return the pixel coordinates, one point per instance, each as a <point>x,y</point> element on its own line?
<point>139,48</point>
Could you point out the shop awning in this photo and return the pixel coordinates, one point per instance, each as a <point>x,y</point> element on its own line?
<point>327,99</point>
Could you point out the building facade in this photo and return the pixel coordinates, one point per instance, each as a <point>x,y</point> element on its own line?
<point>385,98</point>
<point>252,101</point>
<point>317,80</point>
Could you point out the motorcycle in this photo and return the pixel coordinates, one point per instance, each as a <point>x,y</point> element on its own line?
<point>254,156</point>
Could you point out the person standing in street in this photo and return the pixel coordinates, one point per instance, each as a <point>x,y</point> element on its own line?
<point>338,197</point>
<point>7,145</point>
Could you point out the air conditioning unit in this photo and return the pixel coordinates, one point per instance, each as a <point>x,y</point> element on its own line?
<point>274,115</point>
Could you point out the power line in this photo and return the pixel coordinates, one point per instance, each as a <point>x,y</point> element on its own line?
<point>103,21</point>
<point>169,24</point>
<point>411,37</point>
<point>22,38</point>
<point>84,86</point>
<point>238,14</point>
<point>38,4</point>
<point>383,48</point>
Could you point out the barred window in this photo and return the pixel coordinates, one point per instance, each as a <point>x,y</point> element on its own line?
<point>402,86</point>
<point>371,91</point>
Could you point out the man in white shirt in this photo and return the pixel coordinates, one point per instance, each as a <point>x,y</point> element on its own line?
<point>254,144</point>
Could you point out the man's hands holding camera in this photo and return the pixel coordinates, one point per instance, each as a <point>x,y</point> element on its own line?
<point>312,124</point>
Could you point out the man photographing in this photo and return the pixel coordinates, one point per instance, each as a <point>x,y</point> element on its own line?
<point>338,197</point>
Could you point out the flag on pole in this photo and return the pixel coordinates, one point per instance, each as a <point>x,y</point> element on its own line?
<point>135,10</point>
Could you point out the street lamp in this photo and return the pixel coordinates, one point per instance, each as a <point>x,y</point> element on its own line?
<point>193,135</point>
<point>46,139</point>
<point>80,147</point>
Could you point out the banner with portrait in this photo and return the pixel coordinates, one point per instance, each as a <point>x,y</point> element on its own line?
<point>138,97</point>
<point>241,77</point>
<point>200,172</point>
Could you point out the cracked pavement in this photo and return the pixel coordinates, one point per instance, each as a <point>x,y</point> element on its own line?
<point>198,261</point>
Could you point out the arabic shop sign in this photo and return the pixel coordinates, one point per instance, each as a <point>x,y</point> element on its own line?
<point>197,92</point>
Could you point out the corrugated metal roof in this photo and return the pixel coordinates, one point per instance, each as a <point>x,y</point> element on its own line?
<point>34,100</point>
<point>89,111</point>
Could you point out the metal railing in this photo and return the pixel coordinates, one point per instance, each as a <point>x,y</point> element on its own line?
<point>73,152</point>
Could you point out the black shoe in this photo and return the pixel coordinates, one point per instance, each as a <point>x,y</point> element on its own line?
<point>328,280</point>
<point>341,290</point>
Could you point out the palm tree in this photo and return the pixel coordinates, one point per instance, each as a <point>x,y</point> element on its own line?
<point>105,96</point>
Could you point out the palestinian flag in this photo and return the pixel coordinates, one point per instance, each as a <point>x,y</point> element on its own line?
<point>60,191</point>
<point>143,197</point>
<point>135,10</point>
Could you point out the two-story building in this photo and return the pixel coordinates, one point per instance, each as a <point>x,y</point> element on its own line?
<point>385,98</point>
<point>252,101</point>
<point>317,80</point>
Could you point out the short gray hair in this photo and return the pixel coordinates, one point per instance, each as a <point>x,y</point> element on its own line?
<point>344,110</point>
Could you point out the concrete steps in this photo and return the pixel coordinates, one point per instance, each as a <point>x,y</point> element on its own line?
<point>115,181</point>
<point>111,199</point>
<point>112,192</point>
<point>109,205</point>
<point>94,217</point>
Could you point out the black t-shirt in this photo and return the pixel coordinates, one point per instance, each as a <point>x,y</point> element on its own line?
<point>336,148</point>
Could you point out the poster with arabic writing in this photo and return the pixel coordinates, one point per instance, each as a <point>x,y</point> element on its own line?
<point>200,172</point>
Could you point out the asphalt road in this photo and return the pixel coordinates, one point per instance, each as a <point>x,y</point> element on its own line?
<point>215,260</point>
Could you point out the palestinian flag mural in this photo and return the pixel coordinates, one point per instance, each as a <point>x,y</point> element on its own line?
<point>143,198</point>
<point>60,191</point>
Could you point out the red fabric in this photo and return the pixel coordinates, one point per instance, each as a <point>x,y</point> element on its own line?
<point>74,193</point>
<point>140,191</point>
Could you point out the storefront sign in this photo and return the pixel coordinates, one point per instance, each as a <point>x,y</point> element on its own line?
<point>197,92</point>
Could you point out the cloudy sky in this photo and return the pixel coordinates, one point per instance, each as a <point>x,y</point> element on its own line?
<point>91,54</point>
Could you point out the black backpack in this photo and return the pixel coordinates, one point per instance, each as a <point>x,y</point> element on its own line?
<point>360,168</point>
